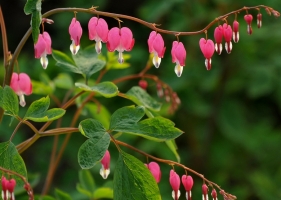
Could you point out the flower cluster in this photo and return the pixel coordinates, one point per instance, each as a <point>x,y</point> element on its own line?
<point>8,187</point>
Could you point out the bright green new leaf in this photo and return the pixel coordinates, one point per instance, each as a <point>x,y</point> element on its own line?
<point>103,192</point>
<point>63,81</point>
<point>142,98</point>
<point>106,89</point>
<point>81,190</point>
<point>132,180</point>
<point>34,7</point>
<point>62,195</point>
<point>38,111</point>
<point>41,88</point>
<point>65,62</point>
<point>112,61</point>
<point>11,159</point>
<point>87,61</point>
<point>86,180</point>
<point>9,101</point>
<point>93,149</point>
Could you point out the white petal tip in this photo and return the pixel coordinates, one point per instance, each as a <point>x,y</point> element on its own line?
<point>104,173</point>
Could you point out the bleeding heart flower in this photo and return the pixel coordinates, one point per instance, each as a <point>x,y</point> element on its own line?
<point>248,18</point>
<point>178,57</point>
<point>205,192</point>
<point>175,183</point>
<point>214,194</point>
<point>75,31</point>
<point>235,31</point>
<point>259,20</point>
<point>156,46</point>
<point>10,185</point>
<point>218,35</point>
<point>208,48</point>
<point>98,31</point>
<point>5,192</point>
<point>21,84</point>
<point>120,40</point>
<point>187,182</point>
<point>227,33</point>
<point>105,170</point>
<point>42,48</point>
<point>155,170</point>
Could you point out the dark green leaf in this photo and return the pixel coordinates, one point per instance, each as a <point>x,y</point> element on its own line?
<point>65,62</point>
<point>11,159</point>
<point>87,61</point>
<point>40,197</point>
<point>31,6</point>
<point>9,101</point>
<point>62,195</point>
<point>132,180</point>
<point>142,98</point>
<point>93,149</point>
<point>106,89</point>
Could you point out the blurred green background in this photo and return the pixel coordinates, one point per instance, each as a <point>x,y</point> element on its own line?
<point>230,115</point>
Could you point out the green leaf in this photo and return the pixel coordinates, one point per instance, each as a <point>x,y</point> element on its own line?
<point>87,61</point>
<point>100,113</point>
<point>65,62</point>
<point>81,190</point>
<point>86,180</point>
<point>34,7</point>
<point>93,149</point>
<point>142,98</point>
<point>62,195</point>
<point>63,81</point>
<point>132,180</point>
<point>126,120</point>
<point>112,61</point>
<point>38,111</point>
<point>9,101</point>
<point>40,197</point>
<point>173,147</point>
<point>106,89</point>
<point>11,159</point>
<point>103,192</point>
<point>41,88</point>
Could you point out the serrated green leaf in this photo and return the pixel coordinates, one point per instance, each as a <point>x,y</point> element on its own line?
<point>142,98</point>
<point>106,89</point>
<point>87,61</point>
<point>126,117</point>
<point>9,101</point>
<point>65,62</point>
<point>64,81</point>
<point>93,149</point>
<point>103,192</point>
<point>62,195</point>
<point>87,183</point>
<point>38,111</point>
<point>132,180</point>
<point>11,159</point>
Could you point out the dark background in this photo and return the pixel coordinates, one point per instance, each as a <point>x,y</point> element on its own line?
<point>230,115</point>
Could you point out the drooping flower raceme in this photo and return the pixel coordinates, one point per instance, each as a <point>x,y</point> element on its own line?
<point>120,40</point>
<point>248,18</point>
<point>75,31</point>
<point>156,46</point>
<point>208,48</point>
<point>178,57</point>
<point>175,183</point>
<point>154,168</point>
<point>42,48</point>
<point>105,170</point>
<point>21,84</point>
<point>98,31</point>
<point>227,34</point>
<point>187,182</point>
<point>218,35</point>
<point>235,31</point>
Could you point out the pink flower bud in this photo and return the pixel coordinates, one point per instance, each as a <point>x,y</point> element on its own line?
<point>42,48</point>
<point>214,194</point>
<point>227,33</point>
<point>154,168</point>
<point>235,31</point>
<point>178,56</point>
<point>21,84</point>
<point>75,32</point>
<point>4,188</point>
<point>143,84</point>
<point>98,31</point>
<point>156,46</point>
<point>208,48</point>
<point>259,20</point>
<point>218,35</point>
<point>10,185</point>
<point>120,40</point>
<point>105,170</point>
<point>175,183</point>
<point>187,182</point>
<point>248,18</point>
<point>205,192</point>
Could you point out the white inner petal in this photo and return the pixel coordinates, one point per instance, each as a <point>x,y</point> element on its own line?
<point>156,60</point>
<point>98,47</point>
